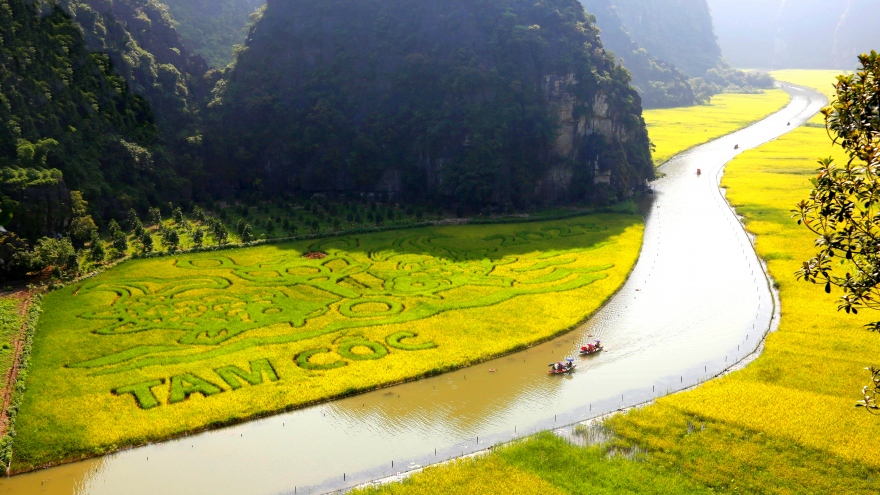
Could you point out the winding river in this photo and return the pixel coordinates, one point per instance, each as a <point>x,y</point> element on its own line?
<point>697,302</point>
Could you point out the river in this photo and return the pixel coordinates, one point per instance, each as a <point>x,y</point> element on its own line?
<point>696,303</point>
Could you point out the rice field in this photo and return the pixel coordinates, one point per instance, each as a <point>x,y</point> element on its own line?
<point>673,130</point>
<point>10,327</point>
<point>785,424</point>
<point>164,346</point>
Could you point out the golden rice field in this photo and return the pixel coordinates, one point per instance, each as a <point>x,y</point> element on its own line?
<point>786,423</point>
<point>158,347</point>
<point>673,130</point>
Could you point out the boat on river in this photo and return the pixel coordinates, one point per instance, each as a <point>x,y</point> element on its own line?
<point>591,348</point>
<point>561,368</point>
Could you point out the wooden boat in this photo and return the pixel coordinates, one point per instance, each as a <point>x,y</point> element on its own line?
<point>568,367</point>
<point>591,349</point>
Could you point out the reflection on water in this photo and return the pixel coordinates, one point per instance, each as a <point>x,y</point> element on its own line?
<point>696,302</point>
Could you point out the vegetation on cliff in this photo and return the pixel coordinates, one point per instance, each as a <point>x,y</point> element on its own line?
<point>476,104</point>
<point>64,107</point>
<point>212,28</point>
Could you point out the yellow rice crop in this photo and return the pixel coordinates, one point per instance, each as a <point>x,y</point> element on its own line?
<point>384,307</point>
<point>476,476</point>
<point>787,422</point>
<point>673,130</point>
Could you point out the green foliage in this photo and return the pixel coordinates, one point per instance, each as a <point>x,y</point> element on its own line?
<point>462,113</point>
<point>64,108</point>
<point>396,341</point>
<point>680,33</point>
<point>182,386</point>
<point>97,253</point>
<point>844,206</point>
<point>146,243</point>
<point>260,368</point>
<point>19,387</point>
<point>54,252</point>
<point>212,28</point>
<point>659,84</point>
<point>364,294</point>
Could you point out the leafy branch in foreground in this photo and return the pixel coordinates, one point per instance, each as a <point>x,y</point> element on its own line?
<point>843,209</point>
<point>871,392</point>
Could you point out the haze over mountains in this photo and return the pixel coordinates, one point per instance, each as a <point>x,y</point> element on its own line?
<point>806,34</point>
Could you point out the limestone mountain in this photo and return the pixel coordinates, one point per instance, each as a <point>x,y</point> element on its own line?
<point>477,104</point>
<point>659,83</point>
<point>679,32</point>
<point>141,41</point>
<point>65,108</point>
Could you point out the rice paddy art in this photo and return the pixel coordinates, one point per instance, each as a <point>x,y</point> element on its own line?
<point>159,347</point>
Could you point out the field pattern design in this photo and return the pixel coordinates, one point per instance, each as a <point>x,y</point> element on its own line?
<point>218,306</point>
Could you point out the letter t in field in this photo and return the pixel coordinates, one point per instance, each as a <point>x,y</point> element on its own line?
<point>142,393</point>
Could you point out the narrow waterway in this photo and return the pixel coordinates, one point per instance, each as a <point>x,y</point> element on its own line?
<point>697,302</point>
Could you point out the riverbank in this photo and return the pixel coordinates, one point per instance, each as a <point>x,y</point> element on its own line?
<point>784,424</point>
<point>156,348</point>
<point>674,130</point>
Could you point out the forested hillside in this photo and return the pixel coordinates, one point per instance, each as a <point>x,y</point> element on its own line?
<point>212,28</point>
<point>140,39</point>
<point>63,107</point>
<point>677,31</point>
<point>807,34</point>
<point>659,84</point>
<point>474,104</point>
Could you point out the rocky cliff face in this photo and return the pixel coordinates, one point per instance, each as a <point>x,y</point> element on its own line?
<point>468,103</point>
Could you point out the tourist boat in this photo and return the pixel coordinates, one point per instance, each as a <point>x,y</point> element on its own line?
<point>591,348</point>
<point>567,367</point>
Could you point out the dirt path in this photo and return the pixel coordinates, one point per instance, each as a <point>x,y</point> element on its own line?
<point>11,375</point>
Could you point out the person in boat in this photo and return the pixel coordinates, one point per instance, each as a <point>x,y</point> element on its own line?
<point>699,172</point>
<point>736,147</point>
<point>559,366</point>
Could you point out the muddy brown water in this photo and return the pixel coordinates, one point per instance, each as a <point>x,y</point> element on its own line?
<point>697,302</point>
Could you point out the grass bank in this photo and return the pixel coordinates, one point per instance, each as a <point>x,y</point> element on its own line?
<point>154,348</point>
<point>785,424</point>
<point>673,130</point>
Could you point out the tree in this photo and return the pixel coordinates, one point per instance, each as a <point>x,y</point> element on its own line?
<point>171,239</point>
<point>113,228</point>
<point>246,234</point>
<point>155,216</point>
<point>177,214</point>
<point>97,252</point>
<point>198,237</point>
<point>82,227</point>
<point>120,243</point>
<point>73,264</point>
<point>54,252</point>
<point>843,208</point>
<point>133,220</point>
<point>146,243</point>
